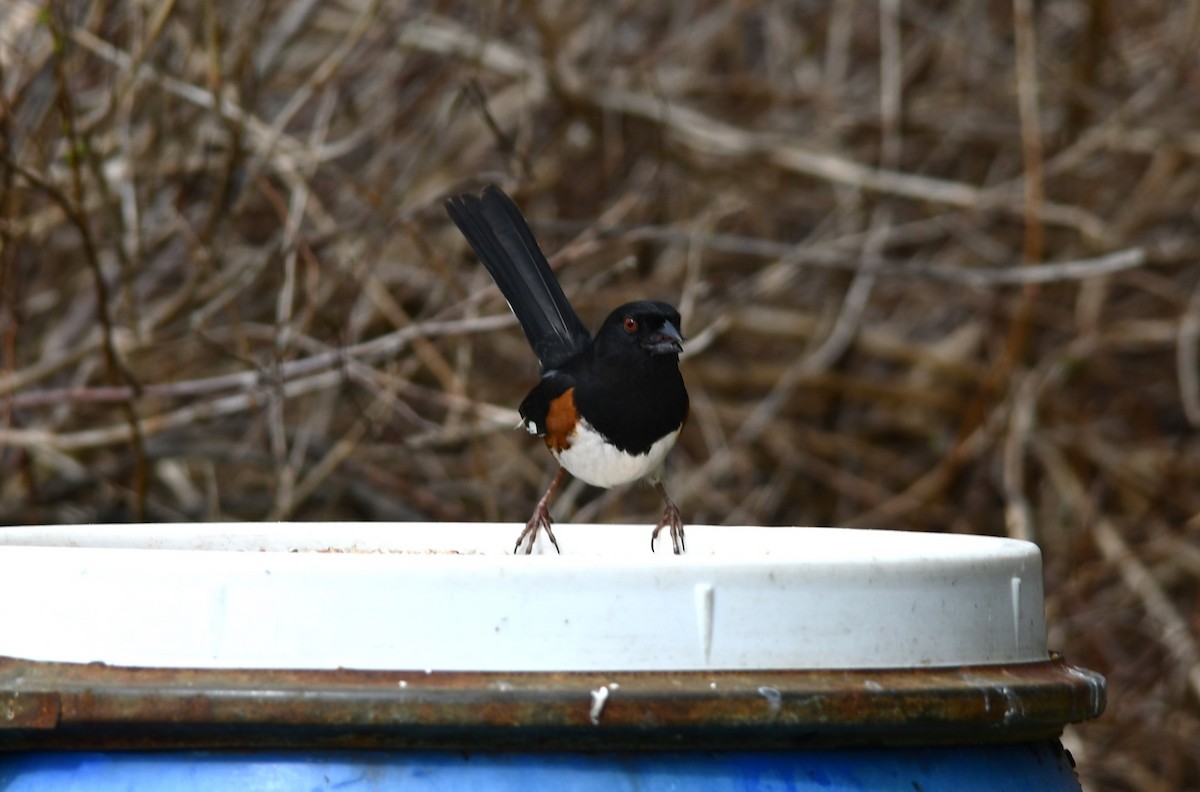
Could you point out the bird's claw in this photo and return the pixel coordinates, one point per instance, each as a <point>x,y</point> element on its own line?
<point>672,518</point>
<point>539,521</point>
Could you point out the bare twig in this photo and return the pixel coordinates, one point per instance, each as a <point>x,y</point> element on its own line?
<point>1018,514</point>
<point>1187,359</point>
<point>1175,633</point>
<point>117,372</point>
<point>1031,127</point>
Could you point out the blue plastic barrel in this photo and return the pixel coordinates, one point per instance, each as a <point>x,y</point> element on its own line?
<point>1006,768</point>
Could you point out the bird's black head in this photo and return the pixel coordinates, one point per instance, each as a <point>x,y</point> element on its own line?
<point>647,327</point>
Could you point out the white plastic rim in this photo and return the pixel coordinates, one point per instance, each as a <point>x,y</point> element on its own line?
<point>452,597</point>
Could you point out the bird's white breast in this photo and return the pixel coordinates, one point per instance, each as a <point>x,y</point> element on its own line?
<point>601,464</point>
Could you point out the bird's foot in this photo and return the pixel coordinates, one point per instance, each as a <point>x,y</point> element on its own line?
<point>539,521</point>
<point>541,518</point>
<point>672,518</point>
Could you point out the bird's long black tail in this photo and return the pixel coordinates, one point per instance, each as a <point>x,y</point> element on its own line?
<point>505,244</point>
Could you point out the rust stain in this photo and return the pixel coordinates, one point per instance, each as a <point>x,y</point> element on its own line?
<point>27,710</point>
<point>97,706</point>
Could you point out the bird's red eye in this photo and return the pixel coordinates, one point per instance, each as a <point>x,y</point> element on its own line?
<point>630,325</point>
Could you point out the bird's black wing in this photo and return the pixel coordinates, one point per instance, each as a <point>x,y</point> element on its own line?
<point>504,243</point>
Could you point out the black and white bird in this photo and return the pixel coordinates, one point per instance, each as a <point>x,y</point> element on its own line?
<point>610,406</point>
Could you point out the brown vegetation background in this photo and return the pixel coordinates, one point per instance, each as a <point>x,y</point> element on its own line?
<point>937,263</point>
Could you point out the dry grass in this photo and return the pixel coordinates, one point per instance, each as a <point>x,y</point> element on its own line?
<point>938,262</point>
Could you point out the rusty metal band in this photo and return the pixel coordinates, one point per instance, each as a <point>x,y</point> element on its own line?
<point>63,705</point>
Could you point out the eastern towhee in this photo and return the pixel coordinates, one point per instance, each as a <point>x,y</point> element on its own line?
<point>610,407</point>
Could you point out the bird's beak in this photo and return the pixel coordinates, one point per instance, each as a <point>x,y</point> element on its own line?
<point>667,341</point>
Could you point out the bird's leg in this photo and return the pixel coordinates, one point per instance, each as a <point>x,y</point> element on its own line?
<point>541,518</point>
<point>671,517</point>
